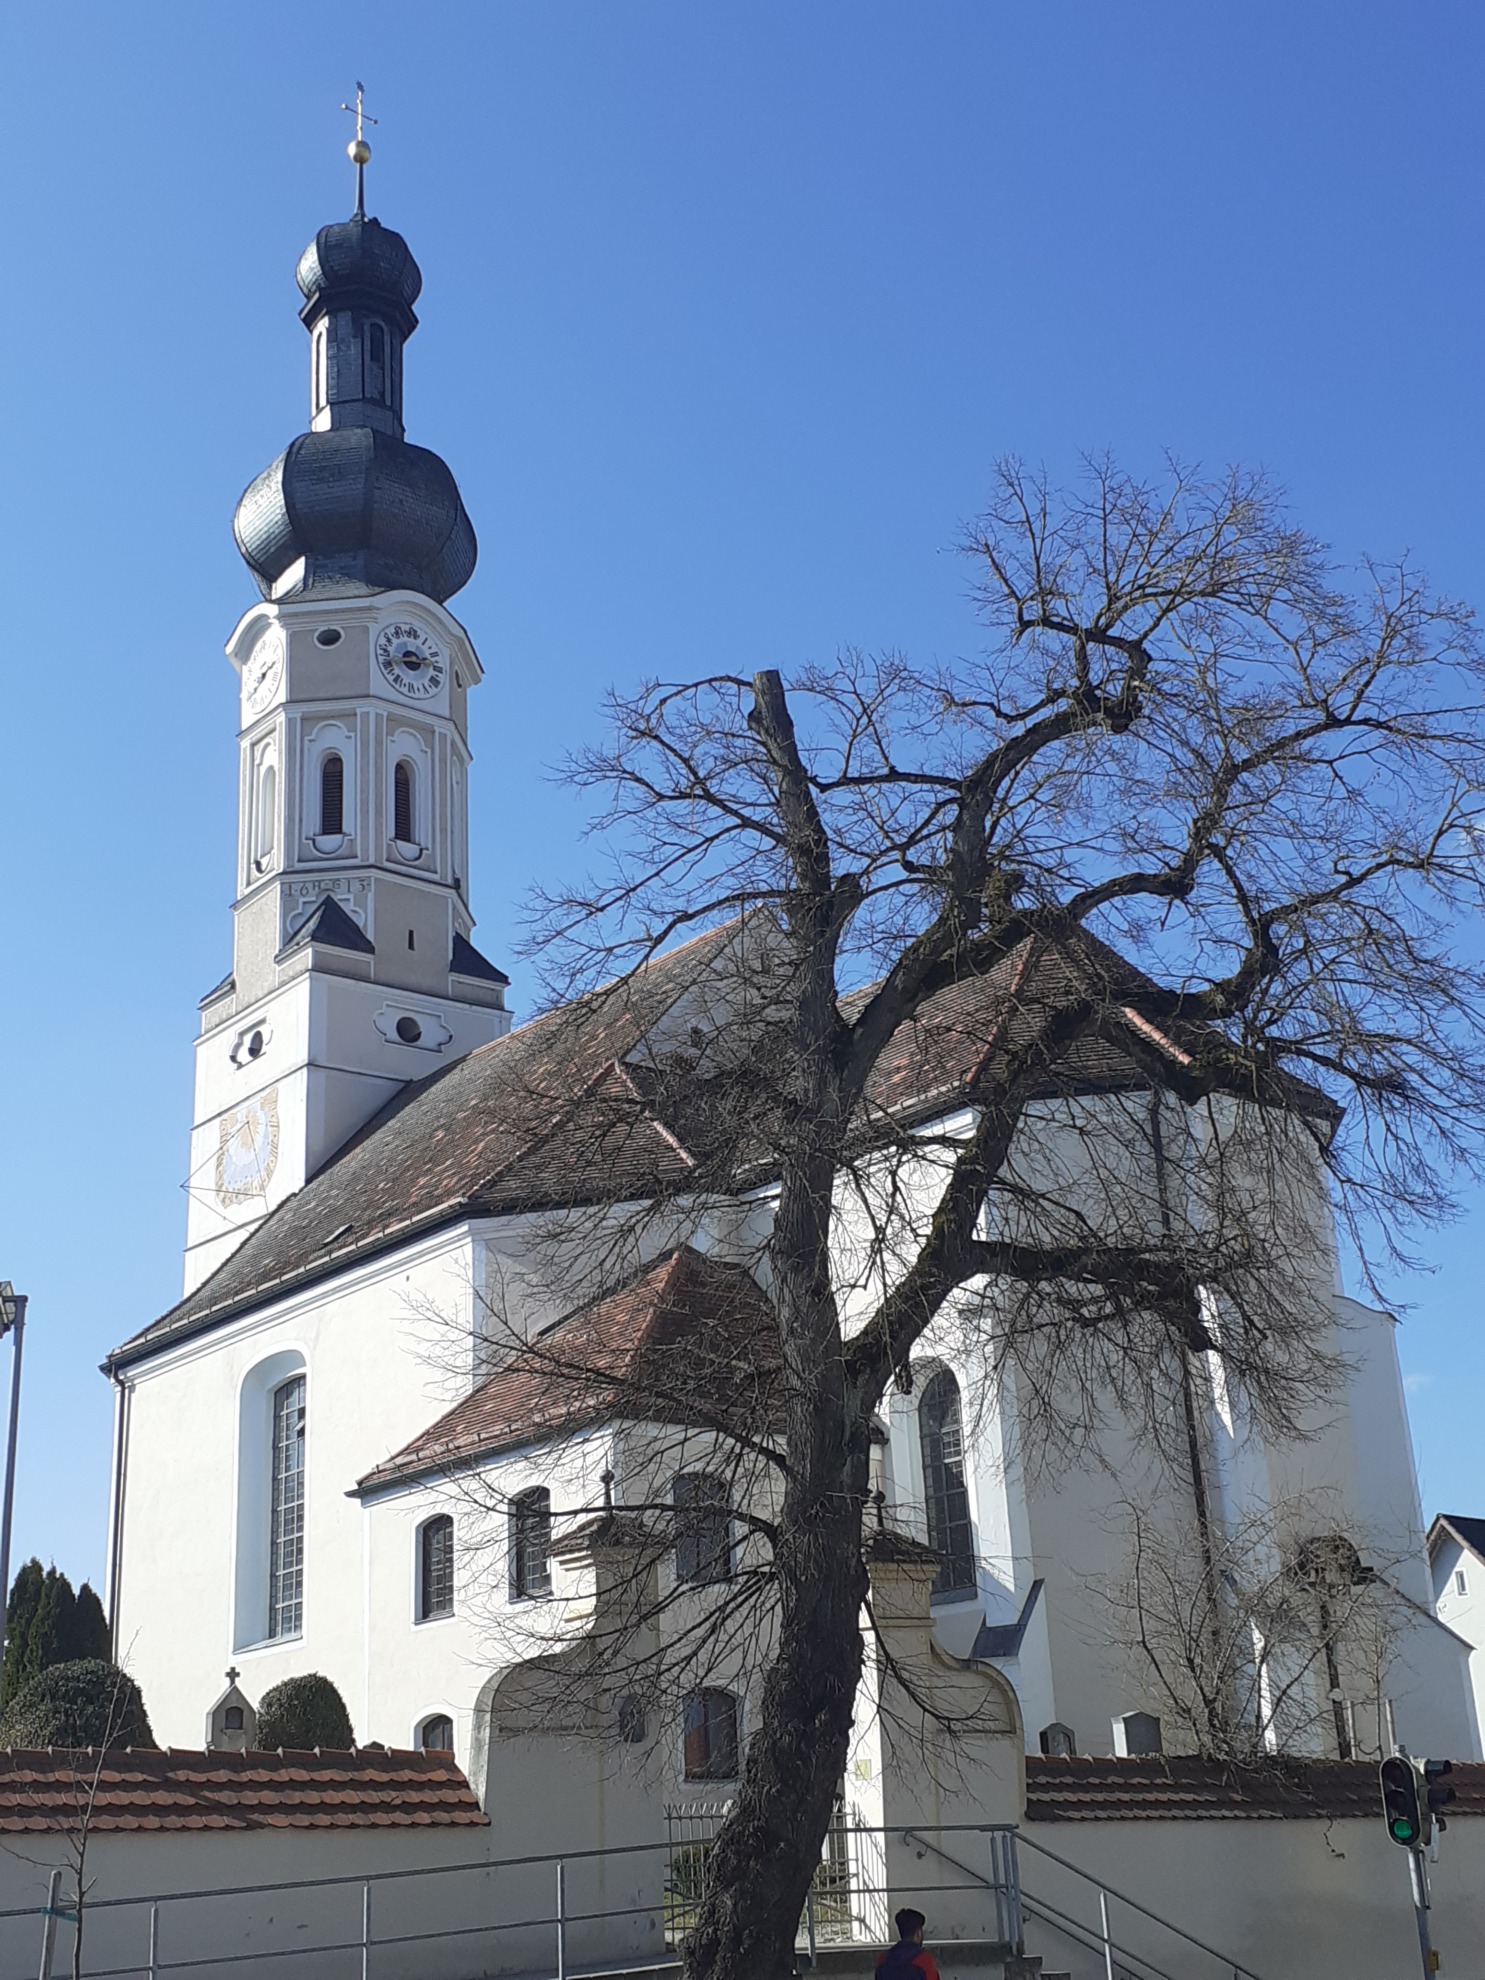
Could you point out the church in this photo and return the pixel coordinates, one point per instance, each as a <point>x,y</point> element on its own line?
<point>376,1438</point>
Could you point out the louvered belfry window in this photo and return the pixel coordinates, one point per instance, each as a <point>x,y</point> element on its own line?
<point>332,795</point>
<point>286,1512</point>
<point>945,1486</point>
<point>402,803</point>
<point>437,1592</point>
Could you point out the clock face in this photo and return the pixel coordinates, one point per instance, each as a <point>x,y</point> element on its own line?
<point>247,1151</point>
<point>411,659</point>
<point>265,665</point>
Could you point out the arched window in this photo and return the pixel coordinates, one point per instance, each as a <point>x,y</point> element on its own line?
<point>711,1744</point>
<point>632,1726</point>
<point>320,334</point>
<point>265,825</point>
<point>703,1527</point>
<point>436,1734</point>
<point>376,355</point>
<point>402,803</point>
<point>531,1544</point>
<point>286,1511</point>
<point>945,1489</point>
<point>436,1568</point>
<point>332,794</point>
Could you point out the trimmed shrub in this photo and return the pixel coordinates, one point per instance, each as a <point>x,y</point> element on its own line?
<point>87,1703</point>
<point>304,1712</point>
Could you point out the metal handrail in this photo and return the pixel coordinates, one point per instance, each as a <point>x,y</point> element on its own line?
<point>366,1942</point>
<point>1240,1971</point>
<point>1086,1936</point>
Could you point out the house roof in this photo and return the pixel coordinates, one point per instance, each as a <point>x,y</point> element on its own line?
<point>1175,1787</point>
<point>617,1097</point>
<point>688,1340</point>
<point>1468,1532</point>
<point>153,1790</point>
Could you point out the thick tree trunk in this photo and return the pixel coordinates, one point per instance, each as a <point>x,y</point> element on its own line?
<point>771,1842</point>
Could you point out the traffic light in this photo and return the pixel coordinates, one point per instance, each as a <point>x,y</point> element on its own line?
<point>1400,1802</point>
<point>1436,1795</point>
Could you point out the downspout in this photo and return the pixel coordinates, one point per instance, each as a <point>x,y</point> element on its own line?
<point>123,1395</point>
<point>1188,1395</point>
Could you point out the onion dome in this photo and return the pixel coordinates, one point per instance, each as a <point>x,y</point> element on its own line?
<point>351,506</point>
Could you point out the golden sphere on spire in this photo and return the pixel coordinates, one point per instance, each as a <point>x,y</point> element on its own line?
<point>359,151</point>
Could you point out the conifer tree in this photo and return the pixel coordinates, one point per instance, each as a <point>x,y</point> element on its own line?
<point>90,1634</point>
<point>20,1615</point>
<point>52,1626</point>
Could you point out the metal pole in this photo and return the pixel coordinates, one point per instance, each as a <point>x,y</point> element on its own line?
<point>49,1927</point>
<point>366,1931</point>
<point>561,1926</point>
<point>19,1300</point>
<point>1108,1944</point>
<point>1420,1911</point>
<point>154,1940</point>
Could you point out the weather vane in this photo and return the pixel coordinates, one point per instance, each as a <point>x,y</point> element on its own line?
<point>358,150</point>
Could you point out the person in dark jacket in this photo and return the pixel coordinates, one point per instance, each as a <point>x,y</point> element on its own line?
<point>907,1960</point>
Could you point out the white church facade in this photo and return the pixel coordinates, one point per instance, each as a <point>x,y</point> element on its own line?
<point>330,1457</point>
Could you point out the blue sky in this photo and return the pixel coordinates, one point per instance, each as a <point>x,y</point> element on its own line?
<point>727,312</point>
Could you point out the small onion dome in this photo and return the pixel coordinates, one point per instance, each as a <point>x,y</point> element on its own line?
<point>359,257</point>
<point>363,509</point>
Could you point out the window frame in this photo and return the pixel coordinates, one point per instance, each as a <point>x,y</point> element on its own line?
<point>698,1721</point>
<point>528,1511</point>
<point>426,1725</point>
<point>945,1479</point>
<point>286,1513</point>
<point>704,1551</point>
<point>436,1604</point>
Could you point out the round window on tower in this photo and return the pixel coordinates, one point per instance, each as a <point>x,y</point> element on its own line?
<point>255,1044</point>
<point>329,636</point>
<point>409,1030</point>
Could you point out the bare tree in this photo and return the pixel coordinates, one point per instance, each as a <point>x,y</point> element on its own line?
<point>1176,860</point>
<point>1266,1647</point>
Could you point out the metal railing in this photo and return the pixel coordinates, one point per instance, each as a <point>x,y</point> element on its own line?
<point>361,1922</point>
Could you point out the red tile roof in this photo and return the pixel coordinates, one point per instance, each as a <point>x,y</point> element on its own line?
<point>618,1097</point>
<point>688,1340</point>
<point>1176,1787</point>
<point>145,1790</point>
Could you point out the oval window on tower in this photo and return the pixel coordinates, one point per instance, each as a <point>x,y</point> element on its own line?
<point>332,794</point>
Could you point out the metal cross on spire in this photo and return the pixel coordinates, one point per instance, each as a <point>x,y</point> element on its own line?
<point>358,150</point>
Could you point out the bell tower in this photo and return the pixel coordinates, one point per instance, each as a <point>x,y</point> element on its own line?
<point>353,969</point>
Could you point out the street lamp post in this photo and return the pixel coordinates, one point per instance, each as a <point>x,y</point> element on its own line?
<point>12,1321</point>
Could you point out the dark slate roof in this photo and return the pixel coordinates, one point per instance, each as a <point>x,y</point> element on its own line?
<point>331,925</point>
<point>148,1790</point>
<point>1173,1787</point>
<point>688,1340</point>
<point>466,960</point>
<point>602,1101</point>
<point>1468,1532</point>
<point>1004,1639</point>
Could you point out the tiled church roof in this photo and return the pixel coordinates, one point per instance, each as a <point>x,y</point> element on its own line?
<point>688,1340</point>
<point>612,1098</point>
<point>1176,1787</point>
<point>144,1789</point>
